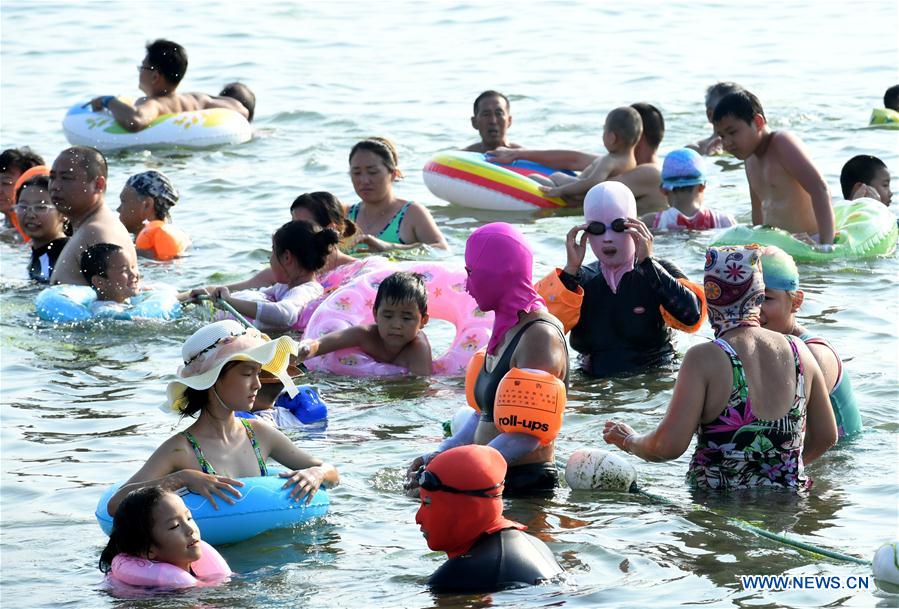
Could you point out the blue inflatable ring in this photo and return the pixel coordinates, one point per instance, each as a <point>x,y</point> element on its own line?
<point>263,506</point>
<point>72,303</point>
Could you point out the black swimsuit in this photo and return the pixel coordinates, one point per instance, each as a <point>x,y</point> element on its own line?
<point>498,561</point>
<point>528,478</point>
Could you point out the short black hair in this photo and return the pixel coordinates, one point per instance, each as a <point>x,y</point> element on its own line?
<point>490,93</point>
<point>243,94</point>
<point>718,90</point>
<point>326,209</point>
<point>306,242</point>
<point>625,122</point>
<point>741,105</point>
<point>20,159</point>
<point>168,58</point>
<point>403,287</point>
<point>653,123</point>
<point>132,526</point>
<point>38,181</point>
<point>860,168</point>
<point>91,160</point>
<point>95,260</point>
<point>891,98</point>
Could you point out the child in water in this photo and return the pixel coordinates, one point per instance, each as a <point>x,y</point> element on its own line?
<point>42,224</point>
<point>155,525</point>
<point>866,176</point>
<point>785,188</point>
<point>620,135</point>
<point>683,183</point>
<point>146,201</point>
<point>396,337</point>
<point>782,301</point>
<point>114,277</point>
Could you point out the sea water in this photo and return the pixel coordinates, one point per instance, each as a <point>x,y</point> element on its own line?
<point>79,405</point>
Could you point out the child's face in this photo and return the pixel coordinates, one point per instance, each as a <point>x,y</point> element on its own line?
<point>372,181</point>
<point>239,384</point>
<point>777,311</point>
<point>738,137</point>
<point>38,217</point>
<point>7,189</point>
<point>176,538</point>
<point>881,183</point>
<point>122,280</point>
<point>133,209</point>
<point>399,322</point>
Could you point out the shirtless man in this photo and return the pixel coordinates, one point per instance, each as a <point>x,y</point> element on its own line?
<point>785,188</point>
<point>77,187</point>
<point>491,119</point>
<point>643,180</point>
<point>160,73</point>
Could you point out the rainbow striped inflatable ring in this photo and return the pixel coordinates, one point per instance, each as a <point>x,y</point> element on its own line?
<point>468,179</point>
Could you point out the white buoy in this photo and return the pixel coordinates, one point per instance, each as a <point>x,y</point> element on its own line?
<point>886,568</point>
<point>592,468</point>
<point>460,417</point>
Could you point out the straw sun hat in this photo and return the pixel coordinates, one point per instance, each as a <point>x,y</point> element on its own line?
<point>208,349</point>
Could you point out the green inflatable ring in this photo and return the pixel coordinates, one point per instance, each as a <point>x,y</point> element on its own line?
<point>884,118</point>
<point>865,228</point>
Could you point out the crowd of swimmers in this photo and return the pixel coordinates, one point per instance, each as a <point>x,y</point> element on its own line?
<point>618,313</point>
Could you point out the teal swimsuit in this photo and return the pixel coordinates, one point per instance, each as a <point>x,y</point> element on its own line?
<point>391,232</point>
<point>842,398</point>
<point>206,466</point>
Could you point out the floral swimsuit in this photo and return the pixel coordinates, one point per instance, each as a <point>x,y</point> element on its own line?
<point>206,466</point>
<point>738,450</point>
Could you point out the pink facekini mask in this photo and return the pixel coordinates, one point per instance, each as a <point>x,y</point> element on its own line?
<point>615,250</point>
<point>499,264</point>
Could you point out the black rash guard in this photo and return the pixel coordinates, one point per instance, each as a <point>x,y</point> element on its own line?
<point>625,332</point>
<point>498,561</point>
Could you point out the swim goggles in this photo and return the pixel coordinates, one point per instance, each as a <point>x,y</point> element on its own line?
<point>430,482</point>
<point>598,228</point>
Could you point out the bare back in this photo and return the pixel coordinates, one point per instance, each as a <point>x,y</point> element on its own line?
<point>103,226</point>
<point>189,102</point>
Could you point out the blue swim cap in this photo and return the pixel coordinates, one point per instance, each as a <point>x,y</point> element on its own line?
<point>779,270</point>
<point>683,167</point>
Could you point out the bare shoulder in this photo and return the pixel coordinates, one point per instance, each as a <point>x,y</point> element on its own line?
<point>477,147</point>
<point>418,210</point>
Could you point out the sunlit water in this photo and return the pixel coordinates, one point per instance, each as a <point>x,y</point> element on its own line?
<point>79,404</point>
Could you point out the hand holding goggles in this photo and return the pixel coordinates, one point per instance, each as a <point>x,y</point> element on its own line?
<point>599,228</point>
<point>430,482</point>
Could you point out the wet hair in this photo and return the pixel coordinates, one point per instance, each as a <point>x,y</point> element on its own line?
<point>891,98</point>
<point>91,160</point>
<point>860,168</point>
<point>625,122</point>
<point>718,90</point>
<point>403,287</point>
<point>243,94</point>
<point>132,526</point>
<point>741,105</point>
<point>327,210</point>
<point>19,159</point>
<point>168,58</point>
<point>382,147</point>
<point>490,93</point>
<point>653,123</point>
<point>306,242</point>
<point>95,260</point>
<point>38,181</point>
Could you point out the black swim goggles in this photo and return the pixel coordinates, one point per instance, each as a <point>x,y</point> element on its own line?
<point>598,228</point>
<point>430,482</point>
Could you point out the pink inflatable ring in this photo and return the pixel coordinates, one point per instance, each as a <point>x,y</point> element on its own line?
<point>351,305</point>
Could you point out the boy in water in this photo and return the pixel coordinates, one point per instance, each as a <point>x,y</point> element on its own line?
<point>114,277</point>
<point>160,73</point>
<point>712,145</point>
<point>492,118</point>
<point>866,176</point>
<point>683,183</point>
<point>401,311</point>
<point>622,130</point>
<point>786,189</point>
<point>782,300</point>
<point>891,98</point>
